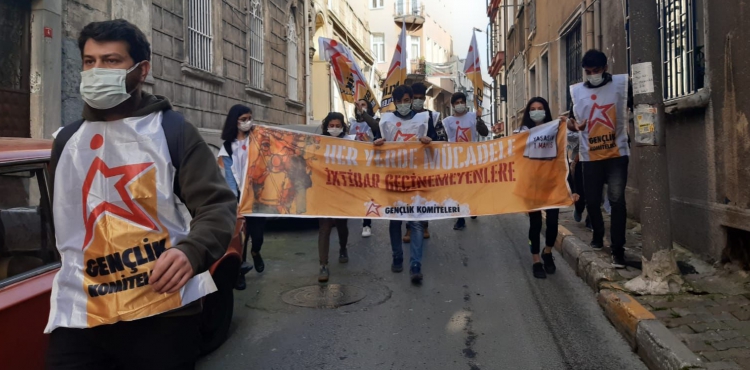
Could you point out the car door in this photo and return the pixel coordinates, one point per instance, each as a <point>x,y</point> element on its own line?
<point>28,263</point>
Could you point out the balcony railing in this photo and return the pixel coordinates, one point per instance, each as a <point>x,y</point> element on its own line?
<point>409,12</point>
<point>418,67</point>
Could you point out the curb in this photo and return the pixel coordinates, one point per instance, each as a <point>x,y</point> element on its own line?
<point>658,347</point>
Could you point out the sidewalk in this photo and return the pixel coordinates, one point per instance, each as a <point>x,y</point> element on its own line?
<point>711,317</point>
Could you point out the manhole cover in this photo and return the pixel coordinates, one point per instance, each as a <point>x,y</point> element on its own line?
<point>324,296</point>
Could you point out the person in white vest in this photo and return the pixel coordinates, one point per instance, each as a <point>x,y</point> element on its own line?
<point>600,105</point>
<point>233,159</point>
<point>463,126</point>
<point>133,269</point>
<point>406,125</point>
<point>364,127</point>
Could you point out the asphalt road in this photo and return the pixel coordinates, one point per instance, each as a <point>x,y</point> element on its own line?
<point>479,307</point>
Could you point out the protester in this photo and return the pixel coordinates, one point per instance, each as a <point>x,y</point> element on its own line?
<point>420,96</point>
<point>333,125</point>
<point>406,125</point>
<point>463,126</point>
<point>601,103</point>
<point>128,134</point>
<point>362,129</point>
<point>233,159</point>
<point>537,112</point>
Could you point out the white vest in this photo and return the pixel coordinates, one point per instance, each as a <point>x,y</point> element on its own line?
<point>461,129</point>
<point>360,130</point>
<point>394,128</point>
<point>605,108</point>
<point>239,159</point>
<point>115,212</point>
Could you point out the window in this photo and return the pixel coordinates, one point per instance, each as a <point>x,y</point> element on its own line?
<point>200,36</point>
<point>532,17</point>
<point>376,4</point>
<point>292,67</point>
<point>378,47</point>
<point>400,7</point>
<point>532,82</point>
<point>414,48</point>
<point>27,242</point>
<point>510,13</point>
<point>256,45</point>
<point>682,60</point>
<point>544,77</point>
<point>573,56</point>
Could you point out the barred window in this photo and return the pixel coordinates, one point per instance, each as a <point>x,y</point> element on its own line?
<point>200,35</point>
<point>256,44</point>
<point>682,60</point>
<point>532,16</point>
<point>573,57</point>
<point>292,66</point>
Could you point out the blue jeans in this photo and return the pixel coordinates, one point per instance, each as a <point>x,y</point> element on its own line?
<point>417,240</point>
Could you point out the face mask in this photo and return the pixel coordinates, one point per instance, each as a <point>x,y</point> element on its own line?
<point>335,131</point>
<point>595,80</point>
<point>403,109</point>
<point>246,125</point>
<point>418,104</point>
<point>537,115</point>
<point>460,108</point>
<point>104,88</point>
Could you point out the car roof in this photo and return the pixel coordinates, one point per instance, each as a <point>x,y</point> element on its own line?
<point>24,149</point>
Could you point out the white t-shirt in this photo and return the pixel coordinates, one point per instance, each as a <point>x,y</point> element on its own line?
<point>461,129</point>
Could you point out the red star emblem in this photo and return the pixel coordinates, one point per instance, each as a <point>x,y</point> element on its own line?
<point>400,136</point>
<point>462,134</point>
<point>133,213</point>
<point>374,209</point>
<point>599,115</point>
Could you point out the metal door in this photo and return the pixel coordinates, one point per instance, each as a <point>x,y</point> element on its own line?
<point>15,53</point>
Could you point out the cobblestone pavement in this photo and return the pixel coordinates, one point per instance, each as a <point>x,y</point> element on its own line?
<point>712,317</point>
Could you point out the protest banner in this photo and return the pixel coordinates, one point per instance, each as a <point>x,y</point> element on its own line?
<point>293,174</point>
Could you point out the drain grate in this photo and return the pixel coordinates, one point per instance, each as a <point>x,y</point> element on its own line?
<point>324,296</point>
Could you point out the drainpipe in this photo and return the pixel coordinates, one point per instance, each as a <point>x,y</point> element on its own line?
<point>598,24</point>
<point>589,14</point>
<point>308,83</point>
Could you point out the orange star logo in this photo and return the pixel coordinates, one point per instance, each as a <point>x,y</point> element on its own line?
<point>600,116</point>
<point>374,209</point>
<point>133,213</point>
<point>462,134</point>
<point>400,136</point>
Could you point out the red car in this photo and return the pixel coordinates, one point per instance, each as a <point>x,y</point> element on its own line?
<point>29,260</point>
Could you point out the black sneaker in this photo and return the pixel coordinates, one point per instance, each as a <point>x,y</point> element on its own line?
<point>416,273</point>
<point>473,217</point>
<point>460,224</point>
<point>618,261</point>
<point>597,245</point>
<point>538,270</point>
<point>343,256</point>
<point>398,265</point>
<point>258,262</point>
<point>240,284</point>
<point>323,275</point>
<point>549,263</point>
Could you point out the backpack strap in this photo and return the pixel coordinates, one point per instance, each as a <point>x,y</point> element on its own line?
<point>174,130</point>
<point>64,135</point>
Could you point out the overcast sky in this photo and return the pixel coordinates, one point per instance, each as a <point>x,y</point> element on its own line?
<point>463,16</point>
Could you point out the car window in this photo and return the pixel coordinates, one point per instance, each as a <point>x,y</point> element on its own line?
<point>27,242</point>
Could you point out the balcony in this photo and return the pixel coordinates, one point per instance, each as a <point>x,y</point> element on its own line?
<point>410,14</point>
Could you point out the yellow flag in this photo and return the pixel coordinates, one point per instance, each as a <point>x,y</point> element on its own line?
<point>396,73</point>
<point>349,77</point>
<point>473,71</point>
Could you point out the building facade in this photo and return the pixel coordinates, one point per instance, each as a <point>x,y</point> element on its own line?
<point>207,55</point>
<point>703,66</point>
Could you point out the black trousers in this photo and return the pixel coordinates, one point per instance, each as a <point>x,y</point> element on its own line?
<point>367,222</point>
<point>613,172</point>
<point>254,228</point>
<point>152,343</point>
<point>579,188</point>
<point>535,228</point>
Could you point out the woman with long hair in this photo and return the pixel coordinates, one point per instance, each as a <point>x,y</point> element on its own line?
<point>361,126</point>
<point>537,112</point>
<point>333,125</point>
<point>233,159</point>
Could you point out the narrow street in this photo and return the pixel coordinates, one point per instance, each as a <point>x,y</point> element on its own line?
<point>478,308</point>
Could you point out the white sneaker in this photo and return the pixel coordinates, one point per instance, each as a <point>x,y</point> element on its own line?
<point>366,232</point>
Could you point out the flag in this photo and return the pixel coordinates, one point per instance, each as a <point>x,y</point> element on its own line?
<point>349,77</point>
<point>473,71</point>
<point>396,73</point>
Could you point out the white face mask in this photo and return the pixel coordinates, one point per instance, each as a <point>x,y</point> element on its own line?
<point>245,126</point>
<point>403,109</point>
<point>595,80</point>
<point>335,131</point>
<point>104,88</point>
<point>417,104</point>
<point>537,115</point>
<point>459,108</point>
